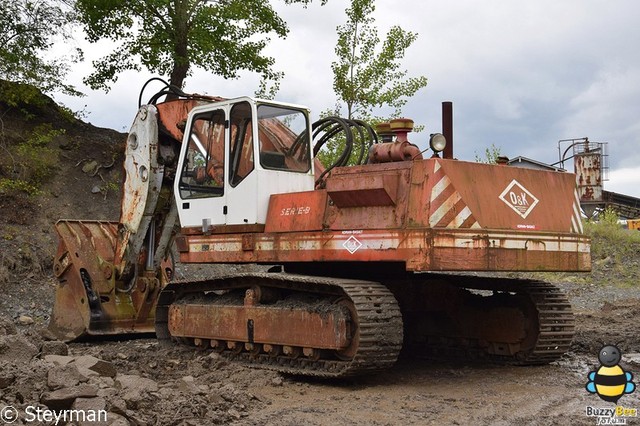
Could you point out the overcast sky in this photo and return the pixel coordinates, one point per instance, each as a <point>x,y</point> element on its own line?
<point>522,75</point>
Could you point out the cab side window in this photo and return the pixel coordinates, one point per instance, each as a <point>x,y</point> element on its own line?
<point>202,174</point>
<point>241,143</point>
<point>283,137</point>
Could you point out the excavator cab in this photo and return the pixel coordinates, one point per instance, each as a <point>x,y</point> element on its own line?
<point>237,153</point>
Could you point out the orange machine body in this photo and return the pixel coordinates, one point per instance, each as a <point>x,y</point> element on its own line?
<point>428,215</point>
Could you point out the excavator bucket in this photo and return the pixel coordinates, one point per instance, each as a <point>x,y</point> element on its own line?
<point>89,299</point>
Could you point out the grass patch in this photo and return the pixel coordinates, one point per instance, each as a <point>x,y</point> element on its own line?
<point>29,164</point>
<point>615,251</point>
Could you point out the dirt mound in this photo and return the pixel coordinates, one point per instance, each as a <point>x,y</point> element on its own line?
<point>53,166</point>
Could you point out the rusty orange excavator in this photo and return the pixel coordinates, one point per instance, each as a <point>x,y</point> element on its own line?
<point>368,259</point>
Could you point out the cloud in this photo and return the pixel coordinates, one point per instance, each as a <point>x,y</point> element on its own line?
<point>521,75</point>
<point>624,181</point>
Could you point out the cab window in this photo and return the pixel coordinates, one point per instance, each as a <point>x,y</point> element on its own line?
<point>241,143</point>
<point>202,174</point>
<point>284,139</point>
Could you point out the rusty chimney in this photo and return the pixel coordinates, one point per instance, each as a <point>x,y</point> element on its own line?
<point>447,128</point>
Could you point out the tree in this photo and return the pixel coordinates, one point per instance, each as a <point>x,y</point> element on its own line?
<point>364,79</point>
<point>169,37</point>
<point>491,155</point>
<point>27,31</point>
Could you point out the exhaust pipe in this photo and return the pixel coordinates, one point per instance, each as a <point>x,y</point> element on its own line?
<point>447,128</point>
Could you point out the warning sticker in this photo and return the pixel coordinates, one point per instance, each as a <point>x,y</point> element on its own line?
<point>519,198</point>
<point>352,244</point>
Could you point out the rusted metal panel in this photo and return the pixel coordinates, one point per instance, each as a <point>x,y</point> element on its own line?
<point>448,216</point>
<point>365,215</point>
<point>474,195</point>
<point>269,325</point>
<point>89,299</point>
<point>301,211</point>
<point>173,114</point>
<point>420,250</point>
<point>419,195</point>
<point>588,170</point>
<point>370,190</point>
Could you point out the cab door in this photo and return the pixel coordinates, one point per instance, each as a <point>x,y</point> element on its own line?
<point>201,187</point>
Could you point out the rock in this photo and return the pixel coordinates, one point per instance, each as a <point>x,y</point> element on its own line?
<point>62,399</point>
<point>16,348</point>
<point>47,335</point>
<point>6,379</point>
<point>94,410</point>
<point>90,167</point>
<point>25,320</point>
<point>54,348</point>
<point>228,392</point>
<point>58,359</point>
<point>96,189</point>
<point>258,397</point>
<point>276,381</point>
<point>136,418</point>
<point>105,382</point>
<point>117,419</point>
<point>215,398</point>
<point>91,365</point>
<point>64,376</point>
<point>107,393</point>
<point>134,388</point>
<point>127,381</point>
<point>122,356</point>
<point>234,413</point>
<point>187,384</point>
<point>632,358</point>
<point>117,404</point>
<point>7,327</point>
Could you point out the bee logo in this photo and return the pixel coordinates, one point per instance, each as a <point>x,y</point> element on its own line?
<point>610,381</point>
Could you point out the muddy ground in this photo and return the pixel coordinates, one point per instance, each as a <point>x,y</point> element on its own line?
<point>182,386</point>
<point>140,382</point>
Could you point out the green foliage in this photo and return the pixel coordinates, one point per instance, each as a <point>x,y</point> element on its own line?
<point>169,37</point>
<point>20,95</point>
<point>31,163</point>
<point>614,255</point>
<point>614,250</point>
<point>9,186</point>
<point>366,77</point>
<point>491,155</point>
<point>28,29</point>
<point>608,230</point>
<point>268,89</point>
<point>70,115</point>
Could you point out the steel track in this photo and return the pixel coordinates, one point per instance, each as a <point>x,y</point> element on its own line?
<point>380,323</point>
<point>378,319</point>
<point>554,322</point>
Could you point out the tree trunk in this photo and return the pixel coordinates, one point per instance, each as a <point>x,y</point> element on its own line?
<point>181,61</point>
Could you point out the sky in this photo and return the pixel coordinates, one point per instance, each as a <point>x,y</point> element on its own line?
<point>521,75</point>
